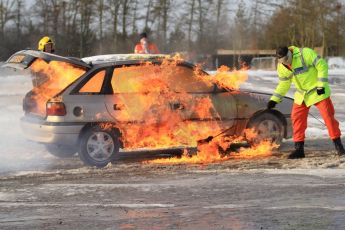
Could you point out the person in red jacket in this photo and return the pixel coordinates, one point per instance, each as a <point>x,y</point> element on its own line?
<point>145,46</point>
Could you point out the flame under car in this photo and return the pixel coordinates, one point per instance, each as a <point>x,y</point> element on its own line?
<point>97,106</point>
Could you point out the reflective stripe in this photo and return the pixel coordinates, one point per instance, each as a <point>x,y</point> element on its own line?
<point>316,60</point>
<point>286,78</point>
<point>323,79</point>
<point>278,95</point>
<point>302,58</point>
<point>302,69</point>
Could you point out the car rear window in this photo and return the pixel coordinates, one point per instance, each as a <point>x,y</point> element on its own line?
<point>49,79</point>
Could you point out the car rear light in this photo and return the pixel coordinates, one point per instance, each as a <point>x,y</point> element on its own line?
<point>56,109</point>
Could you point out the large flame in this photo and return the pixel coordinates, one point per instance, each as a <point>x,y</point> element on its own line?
<point>162,123</point>
<point>220,150</point>
<point>160,106</point>
<point>49,79</point>
<point>163,106</point>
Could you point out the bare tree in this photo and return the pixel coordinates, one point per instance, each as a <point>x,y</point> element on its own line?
<point>6,7</point>
<point>86,10</point>
<point>165,17</point>
<point>134,18</point>
<point>147,16</point>
<point>202,11</point>
<point>125,9</point>
<point>100,8</point>
<point>190,23</point>
<point>114,12</point>
<point>83,27</point>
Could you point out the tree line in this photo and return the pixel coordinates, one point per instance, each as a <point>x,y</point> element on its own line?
<point>85,27</point>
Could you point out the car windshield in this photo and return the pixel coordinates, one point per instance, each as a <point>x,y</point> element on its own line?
<point>49,79</point>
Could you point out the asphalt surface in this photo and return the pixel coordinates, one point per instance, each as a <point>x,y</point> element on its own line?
<point>263,193</point>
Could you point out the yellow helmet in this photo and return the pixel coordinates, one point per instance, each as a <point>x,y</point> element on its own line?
<point>43,42</point>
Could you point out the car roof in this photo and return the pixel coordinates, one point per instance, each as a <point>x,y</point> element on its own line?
<point>127,61</point>
<point>111,58</point>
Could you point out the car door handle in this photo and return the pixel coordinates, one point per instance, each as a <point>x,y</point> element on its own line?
<point>118,107</point>
<point>177,106</point>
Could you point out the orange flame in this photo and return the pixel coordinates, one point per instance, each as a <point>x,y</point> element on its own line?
<point>163,107</point>
<point>210,153</point>
<point>163,127</point>
<point>158,106</point>
<point>224,78</point>
<point>49,79</point>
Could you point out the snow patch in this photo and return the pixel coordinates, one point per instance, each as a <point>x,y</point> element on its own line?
<point>336,62</point>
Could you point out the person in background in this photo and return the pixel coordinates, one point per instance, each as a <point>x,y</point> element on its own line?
<point>145,46</point>
<point>46,44</point>
<point>309,73</point>
<point>243,62</point>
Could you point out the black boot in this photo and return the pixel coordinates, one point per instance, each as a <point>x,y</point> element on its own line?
<point>298,152</point>
<point>339,147</point>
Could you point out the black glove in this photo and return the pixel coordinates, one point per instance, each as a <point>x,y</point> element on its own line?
<point>271,104</point>
<point>320,91</point>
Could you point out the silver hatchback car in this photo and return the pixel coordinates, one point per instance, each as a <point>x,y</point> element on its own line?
<point>74,101</point>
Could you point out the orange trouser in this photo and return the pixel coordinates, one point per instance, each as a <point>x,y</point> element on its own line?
<point>299,117</point>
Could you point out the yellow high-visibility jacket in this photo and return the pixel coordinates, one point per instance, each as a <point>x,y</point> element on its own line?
<point>309,71</point>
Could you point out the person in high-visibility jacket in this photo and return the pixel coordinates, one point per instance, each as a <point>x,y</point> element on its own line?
<point>309,73</point>
<point>145,46</point>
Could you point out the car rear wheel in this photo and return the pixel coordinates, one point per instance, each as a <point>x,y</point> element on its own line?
<point>61,151</point>
<point>99,146</point>
<point>267,127</point>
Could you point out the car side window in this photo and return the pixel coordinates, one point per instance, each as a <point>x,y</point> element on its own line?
<point>94,84</point>
<point>155,78</point>
<point>183,79</point>
<point>128,79</point>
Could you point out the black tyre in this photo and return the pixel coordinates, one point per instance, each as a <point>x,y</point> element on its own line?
<point>98,146</point>
<point>267,127</point>
<point>61,151</point>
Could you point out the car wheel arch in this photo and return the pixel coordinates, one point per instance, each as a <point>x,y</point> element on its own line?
<point>276,113</point>
<point>94,124</point>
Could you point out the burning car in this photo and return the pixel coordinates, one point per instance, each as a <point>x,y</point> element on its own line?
<point>99,105</point>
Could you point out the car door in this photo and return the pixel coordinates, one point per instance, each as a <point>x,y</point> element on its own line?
<point>207,104</point>
<point>135,98</point>
<point>225,104</point>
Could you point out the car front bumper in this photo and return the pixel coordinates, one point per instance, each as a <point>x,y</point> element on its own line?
<point>39,130</point>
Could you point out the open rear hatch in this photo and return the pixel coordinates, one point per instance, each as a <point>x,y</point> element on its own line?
<point>50,75</point>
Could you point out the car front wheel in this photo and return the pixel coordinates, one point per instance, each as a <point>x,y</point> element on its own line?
<point>266,127</point>
<point>98,146</point>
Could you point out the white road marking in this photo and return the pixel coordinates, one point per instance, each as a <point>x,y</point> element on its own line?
<point>108,185</point>
<point>45,204</point>
<point>240,206</point>
<point>334,208</point>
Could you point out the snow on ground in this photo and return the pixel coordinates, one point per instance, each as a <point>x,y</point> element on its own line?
<point>17,153</point>
<point>336,63</point>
